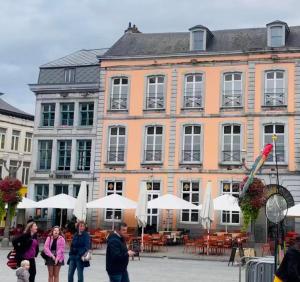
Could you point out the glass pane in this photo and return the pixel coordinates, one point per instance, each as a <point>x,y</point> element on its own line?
<point>227,129</point>
<point>188,130</point>
<point>279,128</point>
<point>237,129</point>
<point>268,128</point>
<point>270,75</point>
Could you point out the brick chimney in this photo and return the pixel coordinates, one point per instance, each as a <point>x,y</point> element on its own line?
<point>132,29</point>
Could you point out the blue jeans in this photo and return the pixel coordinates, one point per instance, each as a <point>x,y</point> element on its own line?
<point>73,265</point>
<point>122,277</point>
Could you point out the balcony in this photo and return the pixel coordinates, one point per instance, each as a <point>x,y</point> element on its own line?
<point>232,99</point>
<point>155,103</point>
<point>192,101</point>
<point>191,156</point>
<point>231,156</point>
<point>116,156</point>
<point>274,97</point>
<point>118,103</point>
<point>153,156</point>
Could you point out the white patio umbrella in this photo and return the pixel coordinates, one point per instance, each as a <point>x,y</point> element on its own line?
<point>171,202</point>
<point>226,202</point>
<point>81,203</point>
<point>207,211</point>
<point>113,201</point>
<point>26,204</point>
<point>141,212</point>
<point>294,211</point>
<point>61,201</point>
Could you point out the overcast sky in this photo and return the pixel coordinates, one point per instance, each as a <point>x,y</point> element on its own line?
<point>33,32</point>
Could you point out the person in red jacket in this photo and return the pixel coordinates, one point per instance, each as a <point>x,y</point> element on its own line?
<point>54,249</point>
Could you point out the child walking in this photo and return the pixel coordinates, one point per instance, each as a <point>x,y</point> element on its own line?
<point>22,272</point>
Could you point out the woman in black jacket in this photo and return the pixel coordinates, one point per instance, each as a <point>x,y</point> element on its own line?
<point>27,248</point>
<point>79,247</point>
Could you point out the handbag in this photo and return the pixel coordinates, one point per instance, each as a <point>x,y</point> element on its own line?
<point>12,260</point>
<point>44,256</point>
<point>87,256</point>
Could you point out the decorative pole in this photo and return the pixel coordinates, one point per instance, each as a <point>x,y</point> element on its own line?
<point>274,138</point>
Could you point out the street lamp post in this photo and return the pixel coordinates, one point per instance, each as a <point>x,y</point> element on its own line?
<point>11,172</point>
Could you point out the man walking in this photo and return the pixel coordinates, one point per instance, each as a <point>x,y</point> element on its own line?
<point>117,255</point>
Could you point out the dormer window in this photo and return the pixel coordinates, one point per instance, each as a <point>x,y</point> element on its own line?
<point>277,34</point>
<point>198,40</point>
<point>199,37</point>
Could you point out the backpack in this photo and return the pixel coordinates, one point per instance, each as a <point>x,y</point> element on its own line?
<point>12,260</point>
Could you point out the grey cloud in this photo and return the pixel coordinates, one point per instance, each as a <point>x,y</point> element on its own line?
<point>34,32</point>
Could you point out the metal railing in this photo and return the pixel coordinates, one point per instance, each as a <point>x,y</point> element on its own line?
<point>155,103</point>
<point>192,101</point>
<point>115,156</point>
<point>118,103</point>
<point>191,156</point>
<point>231,156</point>
<point>153,155</point>
<point>232,98</point>
<point>274,97</point>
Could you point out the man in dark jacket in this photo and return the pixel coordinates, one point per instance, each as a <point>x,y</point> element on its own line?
<point>289,269</point>
<point>117,255</point>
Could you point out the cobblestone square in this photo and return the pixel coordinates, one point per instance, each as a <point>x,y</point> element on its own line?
<point>145,270</point>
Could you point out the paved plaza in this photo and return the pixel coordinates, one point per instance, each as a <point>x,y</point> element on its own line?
<point>145,270</point>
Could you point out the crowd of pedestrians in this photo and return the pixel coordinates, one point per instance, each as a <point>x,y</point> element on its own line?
<point>26,247</point>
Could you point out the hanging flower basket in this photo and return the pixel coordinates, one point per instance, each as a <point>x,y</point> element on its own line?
<point>253,201</point>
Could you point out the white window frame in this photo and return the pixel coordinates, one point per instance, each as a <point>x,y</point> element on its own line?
<point>15,139</point>
<point>114,191</point>
<point>28,142</point>
<point>70,75</point>
<point>47,112</point>
<point>48,150</point>
<point>193,46</point>
<point>25,173</point>
<point>154,145</point>
<point>118,148</point>
<point>284,145</point>
<point>151,195</point>
<point>232,134</point>
<point>271,28</point>
<point>119,96</point>
<point>196,99</point>
<point>232,95</point>
<point>273,95</point>
<point>230,212</point>
<point>190,192</point>
<point>66,149</point>
<point>69,112</point>
<point>156,96</point>
<point>84,155</point>
<point>3,132</point>
<point>193,135</point>
<point>89,113</point>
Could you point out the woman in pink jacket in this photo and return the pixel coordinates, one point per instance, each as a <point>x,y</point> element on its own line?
<point>54,249</point>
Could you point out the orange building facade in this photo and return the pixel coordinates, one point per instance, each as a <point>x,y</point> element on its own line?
<point>180,109</point>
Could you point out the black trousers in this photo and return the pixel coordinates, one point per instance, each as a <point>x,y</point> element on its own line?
<point>32,270</point>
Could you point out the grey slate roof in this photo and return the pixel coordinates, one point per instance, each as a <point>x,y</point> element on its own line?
<point>9,110</point>
<point>234,40</point>
<point>78,58</point>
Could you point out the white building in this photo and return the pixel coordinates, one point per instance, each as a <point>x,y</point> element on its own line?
<point>16,131</point>
<point>65,130</point>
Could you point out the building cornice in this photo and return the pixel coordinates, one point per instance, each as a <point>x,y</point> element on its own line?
<point>202,54</point>
<point>67,88</point>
